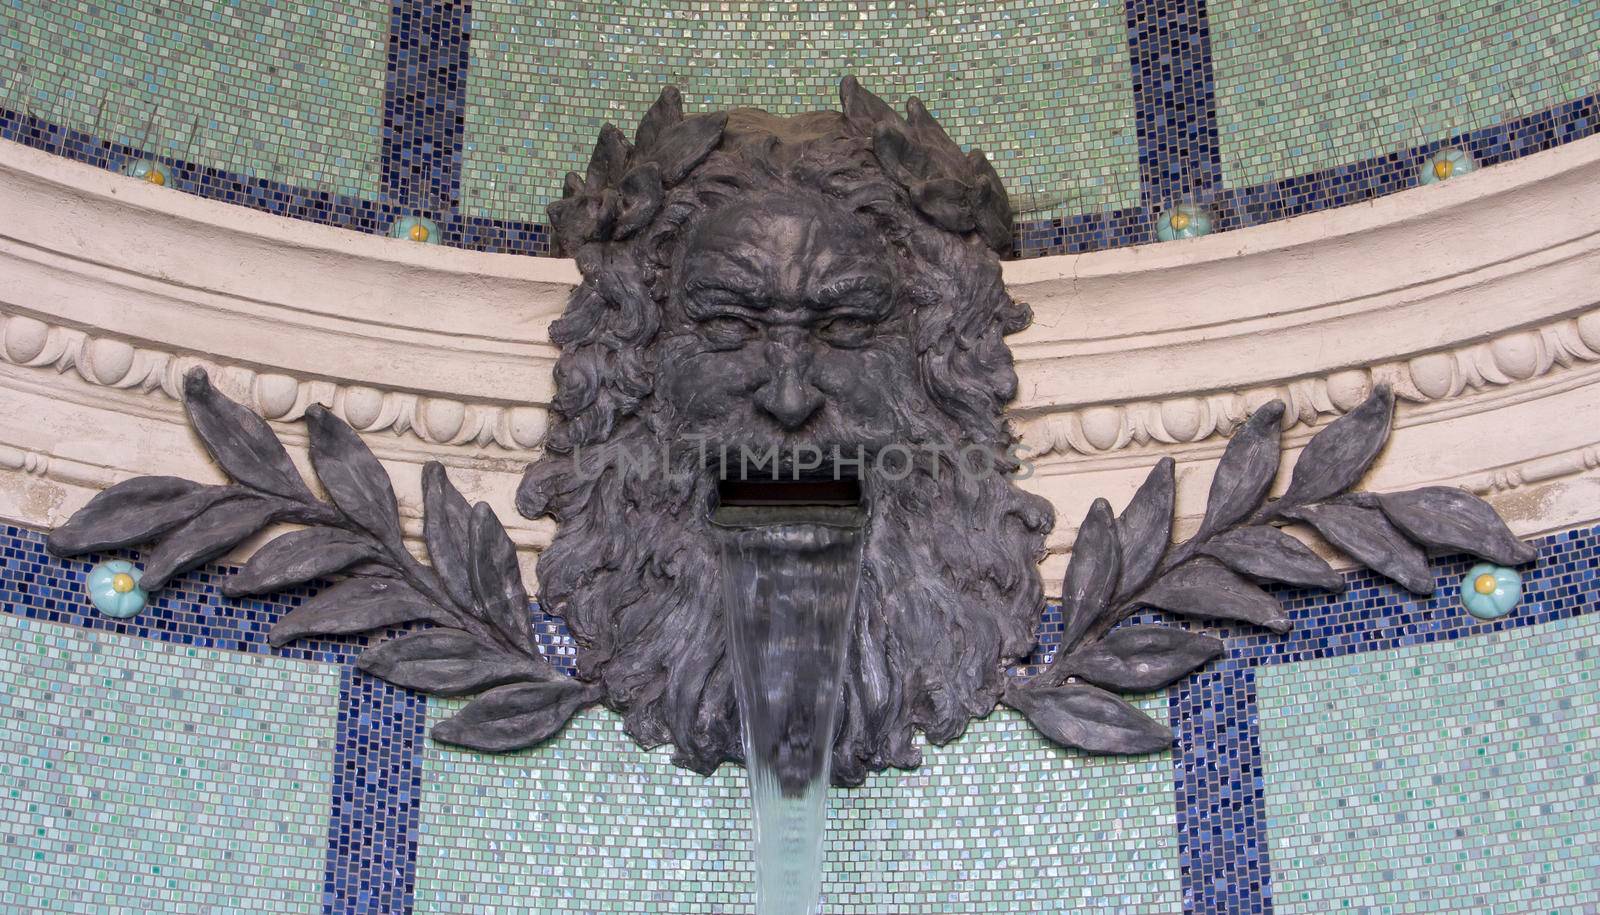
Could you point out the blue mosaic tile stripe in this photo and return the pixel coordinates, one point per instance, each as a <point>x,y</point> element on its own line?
<point>1084,232</point>
<point>498,236</point>
<point>277,198</point>
<point>1169,45</point>
<point>1169,52</point>
<point>424,106</point>
<point>1293,195</point>
<point>1232,208</point>
<point>190,611</point>
<point>377,793</point>
<point>1375,614</point>
<point>1355,182</point>
<point>1217,786</point>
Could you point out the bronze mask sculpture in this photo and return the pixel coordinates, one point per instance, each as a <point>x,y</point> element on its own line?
<point>756,284</point>
<point>817,289</point>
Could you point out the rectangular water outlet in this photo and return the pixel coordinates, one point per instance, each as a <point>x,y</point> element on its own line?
<point>743,503</point>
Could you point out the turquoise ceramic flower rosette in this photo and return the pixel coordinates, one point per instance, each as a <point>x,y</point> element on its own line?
<point>1184,221</point>
<point>114,589</point>
<point>1490,591</point>
<point>151,172</point>
<point>419,229</point>
<point>1446,163</point>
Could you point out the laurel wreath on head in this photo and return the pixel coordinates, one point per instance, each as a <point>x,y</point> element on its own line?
<point>625,183</point>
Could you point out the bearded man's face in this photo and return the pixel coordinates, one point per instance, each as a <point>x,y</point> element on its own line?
<point>784,327</point>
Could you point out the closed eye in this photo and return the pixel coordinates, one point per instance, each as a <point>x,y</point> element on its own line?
<point>717,298</point>
<point>846,331</point>
<point>726,331</point>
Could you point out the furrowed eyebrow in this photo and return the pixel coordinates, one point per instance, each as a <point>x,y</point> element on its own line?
<point>846,285</point>
<point>724,269</point>
<point>831,294</point>
<point>743,285</point>
<point>714,266</point>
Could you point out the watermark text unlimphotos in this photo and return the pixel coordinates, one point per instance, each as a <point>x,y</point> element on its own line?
<point>808,462</point>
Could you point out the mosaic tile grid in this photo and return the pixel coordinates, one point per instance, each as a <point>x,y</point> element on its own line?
<point>191,611</point>
<point>1225,847</point>
<point>138,776</point>
<point>1303,85</point>
<point>1220,824</point>
<point>1171,153</point>
<point>377,787</point>
<point>1054,114</point>
<point>589,823</point>
<point>1439,777</point>
<point>290,91</point>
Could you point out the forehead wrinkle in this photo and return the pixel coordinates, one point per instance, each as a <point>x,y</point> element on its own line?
<point>788,255</point>
<point>794,262</point>
<point>733,267</point>
<point>827,261</point>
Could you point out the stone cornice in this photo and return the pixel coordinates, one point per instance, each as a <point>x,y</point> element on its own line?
<point>1519,355</point>
<point>1522,355</point>
<point>1477,298</point>
<point>108,361</point>
<point>1159,343</point>
<point>169,272</point>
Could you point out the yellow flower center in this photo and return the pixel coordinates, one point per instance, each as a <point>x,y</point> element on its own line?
<point>1443,168</point>
<point>1485,584</point>
<point>155,177</point>
<point>419,232</point>
<point>1180,221</point>
<point>122,582</point>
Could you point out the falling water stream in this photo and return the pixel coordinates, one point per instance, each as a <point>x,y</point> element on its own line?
<point>789,580</point>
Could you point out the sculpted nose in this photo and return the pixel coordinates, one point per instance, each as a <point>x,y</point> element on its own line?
<point>789,399</point>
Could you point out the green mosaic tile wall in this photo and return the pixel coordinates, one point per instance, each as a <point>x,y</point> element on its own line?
<point>137,776</point>
<point>1042,86</point>
<point>291,91</point>
<point>590,823</point>
<point>1438,778</point>
<point>1303,85</point>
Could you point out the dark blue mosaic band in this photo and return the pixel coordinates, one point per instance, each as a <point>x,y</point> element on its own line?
<point>377,798</point>
<point>1217,787</point>
<point>425,105</point>
<point>268,196</point>
<point>191,611</point>
<point>1354,182</point>
<point>1169,46</point>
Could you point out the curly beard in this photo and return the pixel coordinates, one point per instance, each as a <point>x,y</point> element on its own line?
<point>949,598</point>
